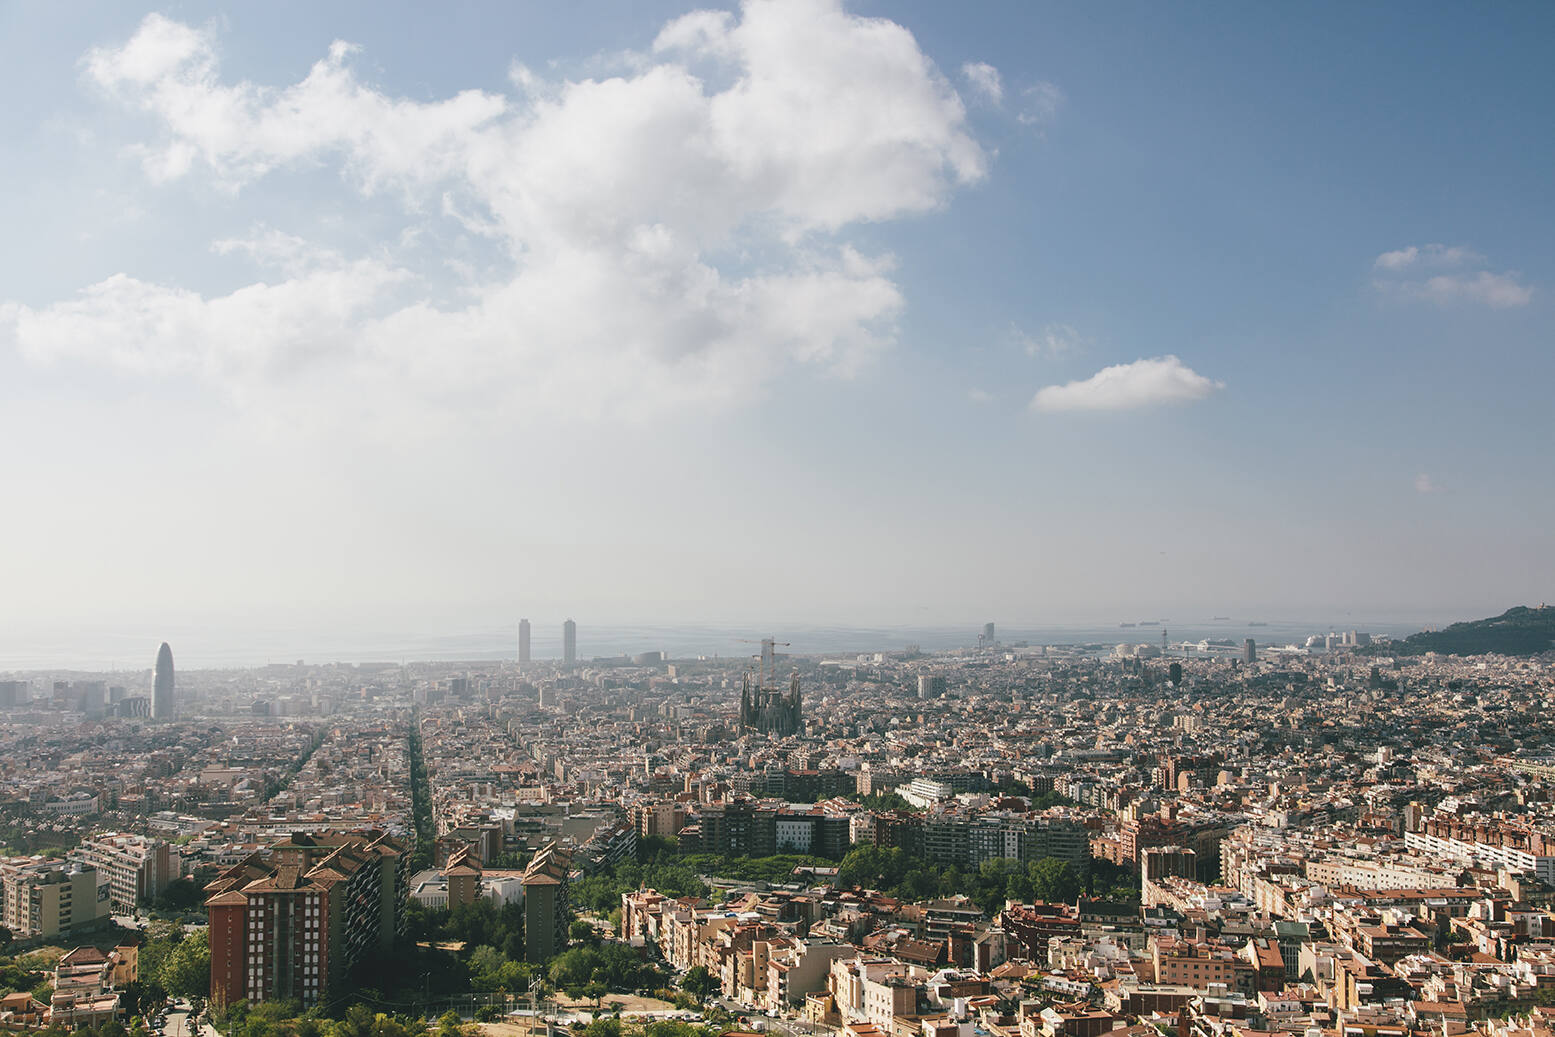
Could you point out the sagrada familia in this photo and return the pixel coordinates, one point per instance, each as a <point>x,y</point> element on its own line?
<point>771,711</point>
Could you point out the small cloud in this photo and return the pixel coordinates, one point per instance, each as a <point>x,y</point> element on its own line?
<point>984,80</point>
<point>1434,255</point>
<point>1039,104</point>
<point>1052,340</point>
<point>1496,290</point>
<point>1143,383</point>
<point>1407,272</point>
<point>979,395</point>
<point>1424,484</point>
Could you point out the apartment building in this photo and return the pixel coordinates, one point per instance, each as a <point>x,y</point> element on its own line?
<point>1488,843</point>
<point>137,868</point>
<point>547,909</point>
<point>44,898</point>
<point>293,925</point>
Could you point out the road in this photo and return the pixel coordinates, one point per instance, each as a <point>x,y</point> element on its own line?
<point>177,1023</point>
<point>782,1026</point>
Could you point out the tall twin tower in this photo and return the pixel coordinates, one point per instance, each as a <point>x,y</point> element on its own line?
<point>569,642</point>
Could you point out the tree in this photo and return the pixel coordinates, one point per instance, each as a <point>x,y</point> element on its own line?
<point>699,983</point>
<point>486,967</point>
<point>357,1022</point>
<point>178,895</point>
<point>187,970</point>
<point>1054,880</point>
<point>573,968</point>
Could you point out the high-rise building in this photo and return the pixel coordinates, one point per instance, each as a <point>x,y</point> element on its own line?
<point>291,926</point>
<point>1161,861</point>
<point>136,867</point>
<point>988,634</point>
<point>523,640</point>
<point>547,910</point>
<point>47,898</point>
<point>569,642</point>
<point>14,693</point>
<point>1249,651</point>
<point>931,686</point>
<point>162,707</point>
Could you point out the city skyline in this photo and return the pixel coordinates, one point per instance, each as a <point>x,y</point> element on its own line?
<point>104,652</point>
<point>785,312</point>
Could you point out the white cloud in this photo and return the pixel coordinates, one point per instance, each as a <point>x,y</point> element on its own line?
<point>979,395</point>
<point>170,71</point>
<point>1053,340</point>
<point>1143,383</point>
<point>1427,255</point>
<point>1406,272</point>
<point>628,209</point>
<point>261,332</point>
<point>1424,484</point>
<point>1495,290</point>
<point>1039,104</point>
<point>984,81</point>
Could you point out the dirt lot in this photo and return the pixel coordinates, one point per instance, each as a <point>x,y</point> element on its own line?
<point>518,1029</point>
<point>630,1004</point>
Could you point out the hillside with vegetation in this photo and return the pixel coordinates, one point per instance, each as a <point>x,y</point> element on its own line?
<point>1517,631</point>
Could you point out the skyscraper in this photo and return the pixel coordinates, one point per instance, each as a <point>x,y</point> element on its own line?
<point>569,642</point>
<point>162,707</point>
<point>1249,651</point>
<point>523,640</point>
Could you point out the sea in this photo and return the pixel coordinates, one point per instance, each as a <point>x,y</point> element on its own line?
<point>126,650</point>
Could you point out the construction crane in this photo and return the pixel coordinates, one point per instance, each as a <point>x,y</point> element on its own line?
<point>769,657</point>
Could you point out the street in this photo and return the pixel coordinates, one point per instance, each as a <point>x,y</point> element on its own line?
<point>177,1023</point>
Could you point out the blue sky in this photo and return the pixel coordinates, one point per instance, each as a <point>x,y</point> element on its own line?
<point>784,314</point>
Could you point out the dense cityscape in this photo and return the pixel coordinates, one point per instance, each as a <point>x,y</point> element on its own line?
<point>777,518</point>
<point>1345,836</point>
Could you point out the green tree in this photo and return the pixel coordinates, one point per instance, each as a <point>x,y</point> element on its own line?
<point>186,972</point>
<point>486,967</point>
<point>699,983</point>
<point>573,968</point>
<point>1054,880</point>
<point>178,895</point>
<point>357,1022</point>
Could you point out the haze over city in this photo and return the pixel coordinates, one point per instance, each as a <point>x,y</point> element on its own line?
<point>876,315</point>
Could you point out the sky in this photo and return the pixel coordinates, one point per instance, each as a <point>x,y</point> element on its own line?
<point>389,316</point>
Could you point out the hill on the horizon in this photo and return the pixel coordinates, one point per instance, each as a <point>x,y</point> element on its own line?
<point>1517,631</point>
